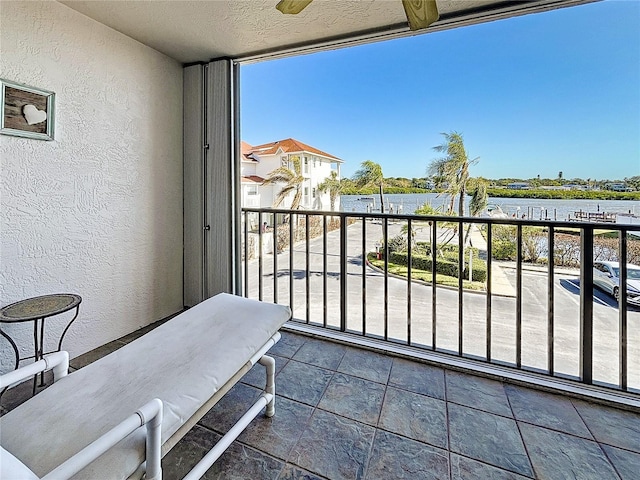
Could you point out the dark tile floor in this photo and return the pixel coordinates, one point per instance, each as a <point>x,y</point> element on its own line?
<point>347,413</point>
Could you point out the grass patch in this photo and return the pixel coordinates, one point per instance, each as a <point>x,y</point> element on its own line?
<point>424,275</point>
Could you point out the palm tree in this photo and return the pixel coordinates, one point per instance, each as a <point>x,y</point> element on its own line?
<point>479,197</point>
<point>369,175</point>
<point>478,202</point>
<point>452,171</point>
<point>292,179</point>
<point>333,185</point>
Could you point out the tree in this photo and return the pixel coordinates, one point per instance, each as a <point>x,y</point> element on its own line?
<point>292,179</point>
<point>633,182</point>
<point>333,185</point>
<point>478,202</point>
<point>370,174</point>
<point>452,171</point>
<point>479,196</point>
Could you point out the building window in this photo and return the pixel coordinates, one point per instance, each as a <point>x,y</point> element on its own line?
<point>313,192</point>
<point>284,162</point>
<point>306,191</point>
<point>306,164</point>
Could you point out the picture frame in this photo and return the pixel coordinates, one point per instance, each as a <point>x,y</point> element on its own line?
<point>26,111</point>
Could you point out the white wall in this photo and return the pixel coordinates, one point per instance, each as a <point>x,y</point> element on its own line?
<point>98,211</point>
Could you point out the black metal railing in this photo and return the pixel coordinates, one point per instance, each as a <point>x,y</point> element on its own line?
<point>318,264</point>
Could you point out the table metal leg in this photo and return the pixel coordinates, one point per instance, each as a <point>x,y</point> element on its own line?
<point>67,327</point>
<point>17,353</point>
<point>36,351</point>
<point>41,349</point>
<point>15,347</point>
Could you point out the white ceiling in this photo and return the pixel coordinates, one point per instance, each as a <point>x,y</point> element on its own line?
<point>200,30</point>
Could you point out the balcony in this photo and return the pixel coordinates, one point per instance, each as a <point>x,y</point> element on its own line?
<point>362,393</point>
<point>535,322</point>
<point>350,413</point>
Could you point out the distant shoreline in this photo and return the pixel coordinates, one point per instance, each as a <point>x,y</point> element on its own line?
<point>563,194</point>
<point>512,193</point>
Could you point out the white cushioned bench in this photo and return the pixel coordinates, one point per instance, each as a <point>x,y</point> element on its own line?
<point>188,363</point>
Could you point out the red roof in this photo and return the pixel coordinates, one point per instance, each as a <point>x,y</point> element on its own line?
<point>252,179</point>
<point>288,145</point>
<point>245,151</point>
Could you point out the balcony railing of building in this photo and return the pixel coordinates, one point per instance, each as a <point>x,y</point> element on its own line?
<point>339,271</point>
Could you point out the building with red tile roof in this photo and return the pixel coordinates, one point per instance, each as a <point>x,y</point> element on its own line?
<point>257,162</point>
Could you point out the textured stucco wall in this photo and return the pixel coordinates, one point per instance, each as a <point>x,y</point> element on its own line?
<point>98,211</point>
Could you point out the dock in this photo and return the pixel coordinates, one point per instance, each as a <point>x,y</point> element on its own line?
<point>600,217</point>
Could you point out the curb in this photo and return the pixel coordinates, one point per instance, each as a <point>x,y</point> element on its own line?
<point>533,268</point>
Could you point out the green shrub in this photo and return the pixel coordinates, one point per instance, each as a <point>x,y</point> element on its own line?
<point>504,250</point>
<point>398,243</point>
<point>445,265</point>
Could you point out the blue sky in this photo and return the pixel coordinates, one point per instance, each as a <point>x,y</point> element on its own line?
<point>532,95</point>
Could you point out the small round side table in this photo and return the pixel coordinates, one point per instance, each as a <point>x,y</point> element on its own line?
<point>37,310</point>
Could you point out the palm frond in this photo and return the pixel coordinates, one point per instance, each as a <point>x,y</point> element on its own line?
<point>282,194</point>
<point>279,175</point>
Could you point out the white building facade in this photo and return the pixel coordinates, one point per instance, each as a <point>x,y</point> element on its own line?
<point>259,161</point>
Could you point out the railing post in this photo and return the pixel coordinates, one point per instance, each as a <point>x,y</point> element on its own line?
<point>622,308</point>
<point>274,238</point>
<point>409,279</point>
<point>586,305</point>
<point>489,293</point>
<point>460,287</point>
<point>519,296</point>
<point>246,253</point>
<point>434,258</point>
<point>307,261</point>
<point>364,275</point>
<point>291,243</point>
<point>385,235</point>
<point>324,270</point>
<point>550,301</point>
<point>260,256</point>
<point>343,273</point>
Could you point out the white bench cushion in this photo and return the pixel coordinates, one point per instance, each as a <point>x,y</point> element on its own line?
<point>13,469</point>
<point>183,362</point>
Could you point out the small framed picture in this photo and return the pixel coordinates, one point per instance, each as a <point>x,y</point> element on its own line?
<point>26,111</point>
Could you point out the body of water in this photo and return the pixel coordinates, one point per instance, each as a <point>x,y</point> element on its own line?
<point>532,208</point>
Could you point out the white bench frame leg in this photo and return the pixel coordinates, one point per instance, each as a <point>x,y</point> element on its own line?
<point>270,365</point>
<point>267,399</point>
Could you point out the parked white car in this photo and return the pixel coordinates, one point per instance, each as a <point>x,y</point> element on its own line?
<point>606,275</point>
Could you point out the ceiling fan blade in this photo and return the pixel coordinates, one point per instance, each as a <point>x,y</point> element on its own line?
<point>292,6</point>
<point>420,13</point>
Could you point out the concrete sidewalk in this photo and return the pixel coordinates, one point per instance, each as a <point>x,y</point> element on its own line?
<point>500,285</point>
